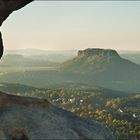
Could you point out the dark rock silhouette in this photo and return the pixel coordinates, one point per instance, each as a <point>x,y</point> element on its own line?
<point>1,46</point>
<point>26,118</point>
<point>6,8</point>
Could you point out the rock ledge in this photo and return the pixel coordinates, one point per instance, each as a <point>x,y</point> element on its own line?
<point>31,118</point>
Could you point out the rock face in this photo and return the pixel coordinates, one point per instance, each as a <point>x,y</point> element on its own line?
<point>31,118</point>
<point>98,52</point>
<point>6,8</point>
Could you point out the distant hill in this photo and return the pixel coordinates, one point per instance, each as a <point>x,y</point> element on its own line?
<point>94,67</point>
<point>97,60</point>
<point>15,88</point>
<point>103,67</point>
<point>96,95</point>
<point>131,55</point>
<point>49,55</point>
<point>18,60</point>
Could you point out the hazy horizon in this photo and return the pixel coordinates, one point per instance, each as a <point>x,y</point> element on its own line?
<point>45,49</point>
<point>74,25</point>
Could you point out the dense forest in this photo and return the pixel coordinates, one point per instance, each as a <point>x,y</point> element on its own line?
<point>118,111</point>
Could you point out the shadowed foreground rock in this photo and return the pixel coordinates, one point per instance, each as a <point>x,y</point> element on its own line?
<point>30,118</point>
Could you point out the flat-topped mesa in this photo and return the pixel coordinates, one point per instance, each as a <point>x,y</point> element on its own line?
<point>98,52</point>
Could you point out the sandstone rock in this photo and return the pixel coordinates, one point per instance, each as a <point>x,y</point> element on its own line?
<point>8,6</point>
<point>98,52</point>
<point>24,117</point>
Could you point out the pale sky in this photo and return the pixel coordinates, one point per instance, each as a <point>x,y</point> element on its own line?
<point>67,25</point>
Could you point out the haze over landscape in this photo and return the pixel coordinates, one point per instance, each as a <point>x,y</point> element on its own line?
<point>73,65</point>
